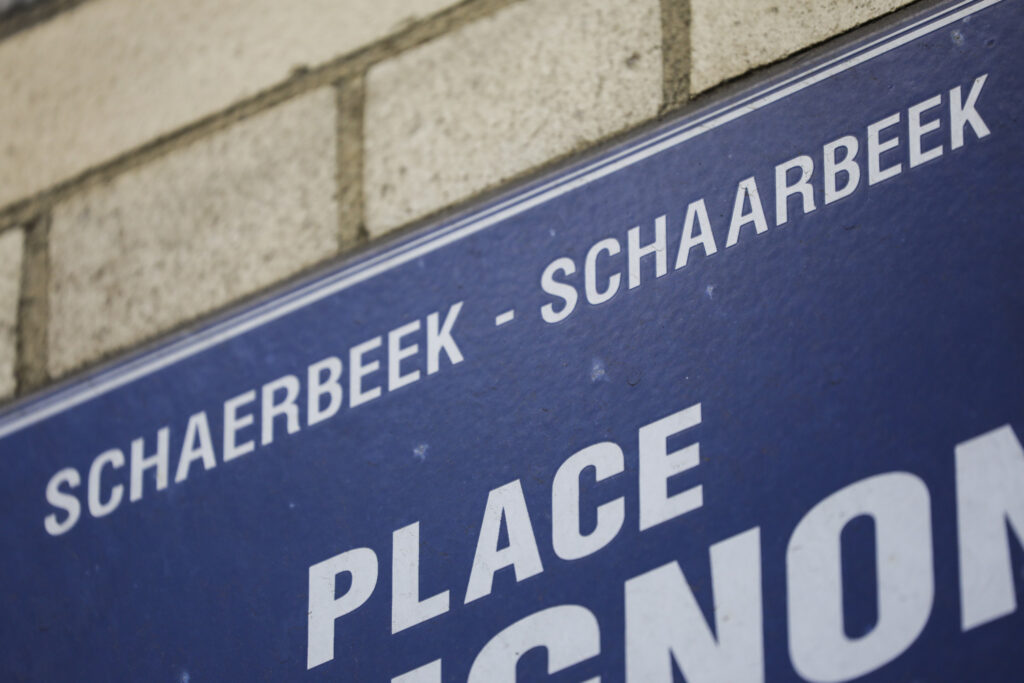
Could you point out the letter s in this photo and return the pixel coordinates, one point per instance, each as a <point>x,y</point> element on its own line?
<point>562,290</point>
<point>63,501</point>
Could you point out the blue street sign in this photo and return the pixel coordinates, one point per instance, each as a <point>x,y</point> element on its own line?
<point>741,399</point>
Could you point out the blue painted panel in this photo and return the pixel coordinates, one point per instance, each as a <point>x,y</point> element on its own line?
<point>870,335</point>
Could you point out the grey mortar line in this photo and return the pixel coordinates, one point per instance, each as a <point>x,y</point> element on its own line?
<point>350,97</point>
<point>31,371</point>
<point>675,53</point>
<point>22,18</point>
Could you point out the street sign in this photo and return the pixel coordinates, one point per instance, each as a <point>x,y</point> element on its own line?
<point>740,399</point>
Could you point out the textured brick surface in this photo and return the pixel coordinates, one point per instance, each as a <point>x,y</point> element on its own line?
<point>10,287</point>
<point>110,75</point>
<point>729,37</point>
<point>496,97</point>
<point>193,230</point>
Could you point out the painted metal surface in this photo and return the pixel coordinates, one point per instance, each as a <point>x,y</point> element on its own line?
<point>812,403</point>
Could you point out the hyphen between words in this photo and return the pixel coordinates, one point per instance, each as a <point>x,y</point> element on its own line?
<point>928,125</point>
<point>665,626</point>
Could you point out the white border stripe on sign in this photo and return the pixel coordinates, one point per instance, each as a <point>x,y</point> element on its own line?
<point>22,416</point>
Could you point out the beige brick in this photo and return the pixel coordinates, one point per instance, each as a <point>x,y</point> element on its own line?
<point>111,75</point>
<point>11,248</point>
<point>504,94</point>
<point>730,37</point>
<point>193,230</point>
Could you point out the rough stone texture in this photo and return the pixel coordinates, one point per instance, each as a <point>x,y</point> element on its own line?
<point>110,75</point>
<point>506,93</point>
<point>729,37</point>
<point>191,231</point>
<point>11,244</point>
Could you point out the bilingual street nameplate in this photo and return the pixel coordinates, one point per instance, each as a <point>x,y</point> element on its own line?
<point>741,399</point>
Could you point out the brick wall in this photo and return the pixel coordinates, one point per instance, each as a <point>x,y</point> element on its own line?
<point>160,161</point>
